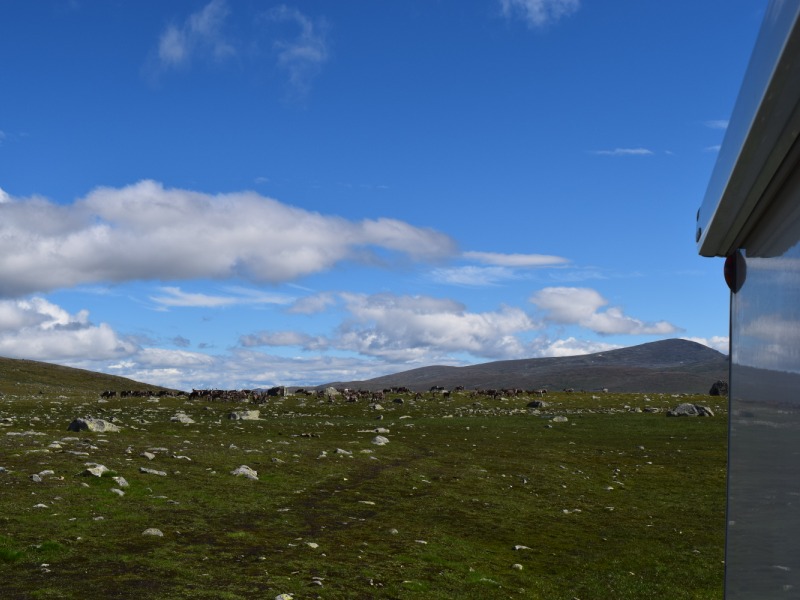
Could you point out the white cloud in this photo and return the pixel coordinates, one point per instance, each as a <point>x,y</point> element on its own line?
<point>714,148</point>
<point>175,297</point>
<point>303,55</point>
<point>538,13</point>
<point>502,267</point>
<point>36,329</point>
<point>411,328</point>
<point>571,347</point>
<point>717,124</point>
<point>284,338</point>
<point>720,343</point>
<point>200,34</point>
<point>473,276</point>
<point>515,260</point>
<point>580,306</point>
<point>624,152</point>
<point>144,231</point>
<point>311,305</point>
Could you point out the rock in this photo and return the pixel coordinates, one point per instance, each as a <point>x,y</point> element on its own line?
<point>536,404</point>
<point>687,409</point>
<point>245,471</point>
<point>704,411</point>
<point>379,440</point>
<point>148,455</point>
<point>516,567</point>
<point>560,419</point>
<point>245,415</point>
<point>153,531</point>
<point>719,388</point>
<point>182,418</point>
<point>91,424</point>
<point>118,492</point>
<point>284,597</point>
<point>35,478</point>
<point>95,470</point>
<point>152,472</point>
<point>121,481</point>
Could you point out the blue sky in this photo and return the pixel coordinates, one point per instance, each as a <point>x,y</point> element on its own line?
<point>253,193</point>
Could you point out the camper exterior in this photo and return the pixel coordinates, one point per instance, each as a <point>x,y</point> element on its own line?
<point>751,216</point>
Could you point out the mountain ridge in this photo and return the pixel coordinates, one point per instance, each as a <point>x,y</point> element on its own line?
<point>665,366</point>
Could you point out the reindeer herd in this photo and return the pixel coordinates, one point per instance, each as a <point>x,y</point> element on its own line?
<point>261,396</point>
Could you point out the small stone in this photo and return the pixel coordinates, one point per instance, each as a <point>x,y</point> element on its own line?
<point>245,471</point>
<point>379,440</point>
<point>96,470</point>
<point>517,567</point>
<point>153,531</point>
<point>152,472</point>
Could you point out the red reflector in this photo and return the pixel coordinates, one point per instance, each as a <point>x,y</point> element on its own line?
<point>735,271</point>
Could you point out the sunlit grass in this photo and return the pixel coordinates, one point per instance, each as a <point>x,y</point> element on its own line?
<point>472,498</point>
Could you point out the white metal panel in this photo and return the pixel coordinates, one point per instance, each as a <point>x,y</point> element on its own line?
<point>761,132</point>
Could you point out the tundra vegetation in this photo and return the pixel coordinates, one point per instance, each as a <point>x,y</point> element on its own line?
<point>595,495</point>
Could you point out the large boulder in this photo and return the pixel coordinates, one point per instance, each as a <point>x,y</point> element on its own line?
<point>687,409</point>
<point>91,424</point>
<point>245,415</point>
<point>720,388</point>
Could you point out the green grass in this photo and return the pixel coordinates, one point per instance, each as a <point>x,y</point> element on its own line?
<point>611,504</point>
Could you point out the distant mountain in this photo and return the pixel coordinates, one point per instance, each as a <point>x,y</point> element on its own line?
<point>667,366</point>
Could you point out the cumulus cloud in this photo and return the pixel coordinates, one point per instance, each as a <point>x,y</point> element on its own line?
<point>311,305</point>
<point>538,13</point>
<point>410,329</point>
<point>571,347</point>
<point>302,55</point>
<point>284,338</point>
<point>147,232</point>
<point>414,327</point>
<point>624,152</point>
<point>36,329</point>
<point>200,34</point>
<point>581,306</point>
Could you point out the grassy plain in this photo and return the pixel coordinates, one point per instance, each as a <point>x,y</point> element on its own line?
<point>472,497</point>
